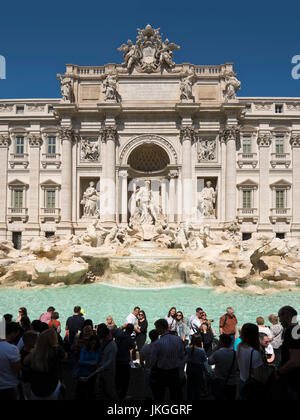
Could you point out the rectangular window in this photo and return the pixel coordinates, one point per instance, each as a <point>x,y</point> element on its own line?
<point>280,199</point>
<point>279,144</point>
<point>51,145</point>
<point>18,199</point>
<point>20,110</point>
<point>20,146</point>
<point>50,199</point>
<point>278,109</point>
<point>247,144</point>
<point>247,202</point>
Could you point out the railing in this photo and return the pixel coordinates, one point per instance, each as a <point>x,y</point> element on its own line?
<point>51,155</point>
<point>18,210</point>
<point>90,70</point>
<point>280,159</point>
<point>280,156</point>
<point>247,159</point>
<point>280,211</point>
<point>20,156</point>
<point>51,211</point>
<point>242,211</point>
<point>213,70</point>
<point>249,213</point>
<point>283,213</point>
<point>247,156</point>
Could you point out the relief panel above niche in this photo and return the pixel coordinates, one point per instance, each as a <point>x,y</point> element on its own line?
<point>207,93</point>
<point>90,93</point>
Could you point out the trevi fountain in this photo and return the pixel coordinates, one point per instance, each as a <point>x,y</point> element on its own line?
<point>222,227</point>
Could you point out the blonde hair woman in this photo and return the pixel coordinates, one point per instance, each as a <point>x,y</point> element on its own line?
<point>45,367</point>
<point>110,323</point>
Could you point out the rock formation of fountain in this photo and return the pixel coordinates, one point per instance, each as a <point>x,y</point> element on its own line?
<point>150,253</point>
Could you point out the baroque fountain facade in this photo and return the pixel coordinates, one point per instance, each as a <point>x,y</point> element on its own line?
<point>150,173</point>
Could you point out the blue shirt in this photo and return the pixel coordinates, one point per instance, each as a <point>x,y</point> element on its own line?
<point>86,358</point>
<point>167,352</point>
<point>197,356</point>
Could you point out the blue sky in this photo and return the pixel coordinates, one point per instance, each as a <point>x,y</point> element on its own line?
<point>39,38</point>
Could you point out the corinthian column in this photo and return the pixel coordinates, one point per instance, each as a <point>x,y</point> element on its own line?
<point>35,142</point>
<point>124,196</point>
<point>295,144</point>
<point>187,135</point>
<point>230,135</point>
<point>264,142</point>
<point>108,181</point>
<point>66,136</point>
<point>172,204</point>
<point>4,143</point>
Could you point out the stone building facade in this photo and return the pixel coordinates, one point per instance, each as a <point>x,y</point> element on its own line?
<point>180,126</point>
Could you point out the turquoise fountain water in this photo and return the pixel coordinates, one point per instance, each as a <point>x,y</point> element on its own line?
<point>99,300</point>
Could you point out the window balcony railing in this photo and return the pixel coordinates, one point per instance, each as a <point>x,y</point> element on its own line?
<point>51,159</point>
<point>17,213</point>
<point>281,213</point>
<point>280,159</point>
<point>246,213</point>
<point>19,159</point>
<point>50,213</point>
<point>247,159</point>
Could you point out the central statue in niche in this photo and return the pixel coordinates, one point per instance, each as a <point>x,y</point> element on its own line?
<point>147,218</point>
<point>207,201</point>
<point>144,204</point>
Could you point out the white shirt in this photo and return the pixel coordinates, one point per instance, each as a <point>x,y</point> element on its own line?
<point>265,330</point>
<point>131,319</point>
<point>8,354</point>
<point>196,323</point>
<point>171,322</point>
<point>244,357</point>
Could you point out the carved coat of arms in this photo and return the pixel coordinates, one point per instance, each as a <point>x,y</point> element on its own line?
<point>150,54</point>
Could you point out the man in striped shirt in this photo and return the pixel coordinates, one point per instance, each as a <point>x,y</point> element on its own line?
<point>167,357</point>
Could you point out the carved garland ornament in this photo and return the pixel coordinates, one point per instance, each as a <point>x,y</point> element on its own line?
<point>264,140</point>
<point>295,140</point>
<point>4,140</point>
<point>34,140</point>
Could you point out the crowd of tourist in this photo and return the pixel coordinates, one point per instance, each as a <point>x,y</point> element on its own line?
<point>184,359</point>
